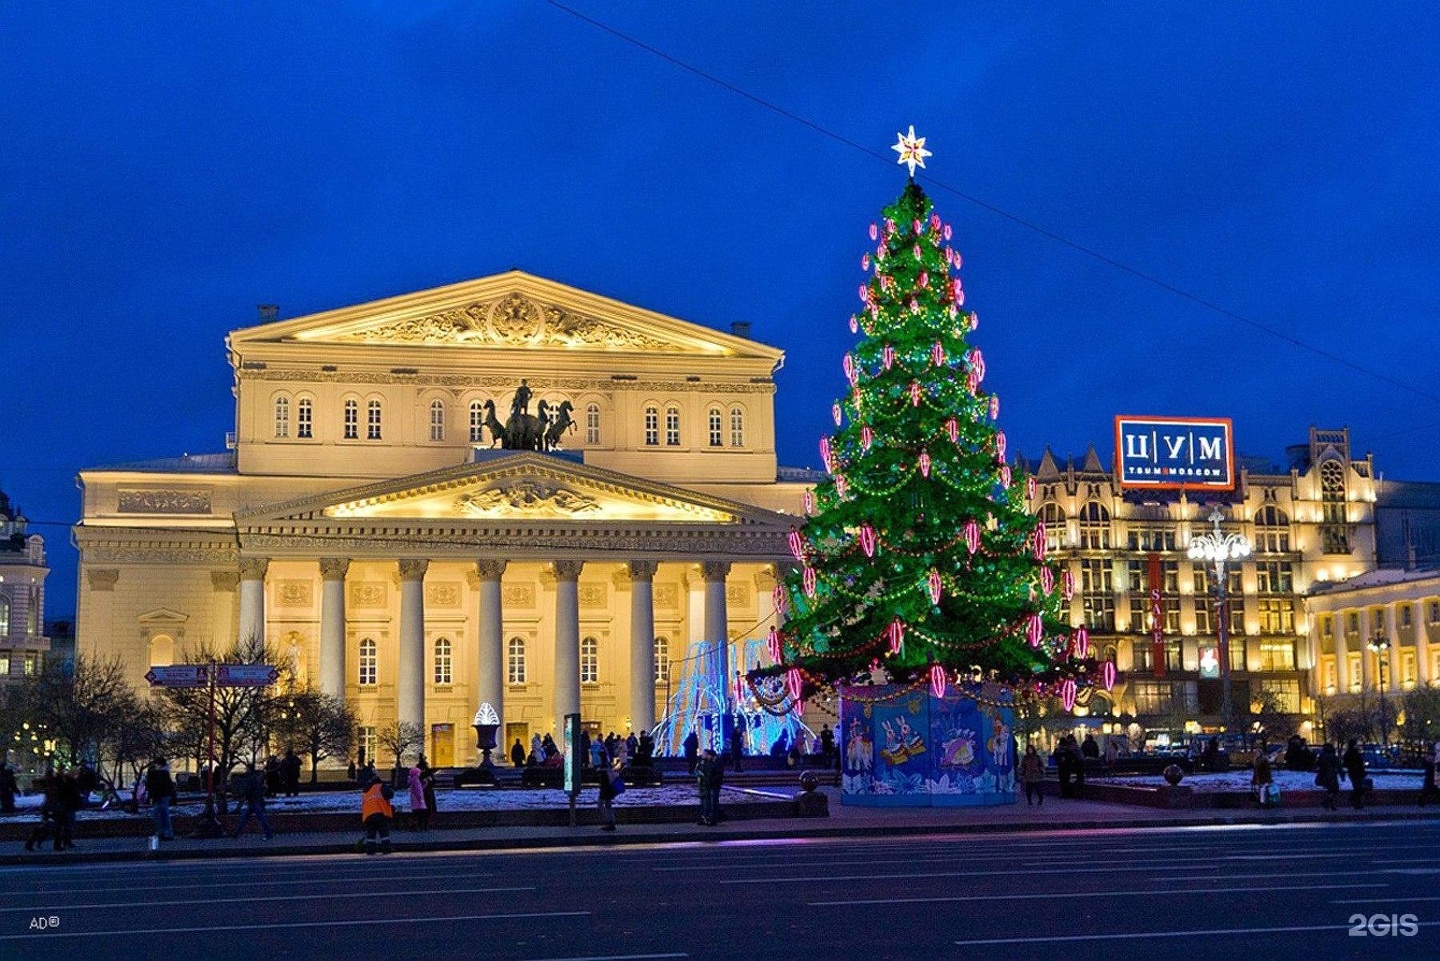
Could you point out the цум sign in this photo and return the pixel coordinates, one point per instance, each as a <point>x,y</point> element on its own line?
<point>1175,453</point>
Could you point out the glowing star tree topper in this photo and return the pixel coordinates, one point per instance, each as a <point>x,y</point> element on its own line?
<point>911,150</point>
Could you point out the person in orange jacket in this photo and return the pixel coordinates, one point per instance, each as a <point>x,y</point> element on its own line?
<point>376,812</point>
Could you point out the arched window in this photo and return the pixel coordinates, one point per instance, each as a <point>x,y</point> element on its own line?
<point>4,617</point>
<point>369,663</point>
<point>352,419</point>
<point>162,650</point>
<point>442,661</point>
<point>515,664</point>
<point>716,425</point>
<point>589,661</point>
<point>1053,516</point>
<point>1094,527</point>
<point>282,416</point>
<point>592,424</point>
<point>1272,530</point>
<point>672,427</point>
<point>737,427</point>
<point>437,420</point>
<point>652,427</point>
<point>305,419</point>
<point>662,660</point>
<point>372,420</point>
<point>477,422</point>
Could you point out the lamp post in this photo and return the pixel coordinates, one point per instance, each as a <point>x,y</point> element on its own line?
<point>1219,548</point>
<point>1380,645</point>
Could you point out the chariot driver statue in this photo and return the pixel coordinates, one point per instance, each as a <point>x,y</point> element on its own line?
<point>521,404</point>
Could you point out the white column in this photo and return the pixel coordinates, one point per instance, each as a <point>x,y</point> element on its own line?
<point>410,684</point>
<point>252,600</point>
<point>1422,644</point>
<point>642,645</point>
<point>1367,657</point>
<point>567,641</point>
<point>332,625</point>
<point>490,641</point>
<point>1342,653</point>
<point>717,618</point>
<point>1392,631</point>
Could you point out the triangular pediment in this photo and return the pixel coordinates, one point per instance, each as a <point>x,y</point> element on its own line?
<point>509,311</point>
<point>519,486</point>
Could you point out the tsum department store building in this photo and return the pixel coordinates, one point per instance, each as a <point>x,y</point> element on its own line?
<point>366,525</point>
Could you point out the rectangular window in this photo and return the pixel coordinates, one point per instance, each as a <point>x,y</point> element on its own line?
<point>589,661</point>
<point>372,421</point>
<point>1237,653</point>
<point>1405,616</point>
<point>1435,612</point>
<point>282,417</point>
<point>1282,693</point>
<point>1187,697</point>
<point>1277,615</point>
<point>672,427</point>
<point>1152,697</point>
<point>1203,611</point>
<point>1099,612</point>
<point>437,420</point>
<point>1143,656</point>
<point>1172,615</point>
<point>652,427</point>
<point>32,663</point>
<point>592,424</point>
<point>737,427</point>
<point>477,423</point>
<point>716,430</point>
<point>305,420</point>
<point>515,663</point>
<point>1274,577</point>
<point>1352,622</point>
<point>352,420</point>
<point>1095,576</point>
<point>4,663</point>
<point>367,742</point>
<point>1277,655</point>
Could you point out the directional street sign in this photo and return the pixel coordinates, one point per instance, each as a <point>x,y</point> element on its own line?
<point>179,675</point>
<point>245,675</point>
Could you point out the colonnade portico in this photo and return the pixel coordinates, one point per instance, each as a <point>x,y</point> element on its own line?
<point>1351,631</point>
<point>486,669</point>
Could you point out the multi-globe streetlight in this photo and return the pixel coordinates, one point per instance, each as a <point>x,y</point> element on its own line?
<point>1380,646</point>
<point>1219,548</point>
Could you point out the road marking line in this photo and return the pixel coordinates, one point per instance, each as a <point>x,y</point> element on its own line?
<point>947,874</point>
<point>1093,894</point>
<point>1142,935</point>
<point>307,881</point>
<point>616,957</point>
<point>345,923</point>
<point>277,897</point>
<point>1397,897</point>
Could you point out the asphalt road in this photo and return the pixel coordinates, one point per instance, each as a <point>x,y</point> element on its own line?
<point>1255,892</point>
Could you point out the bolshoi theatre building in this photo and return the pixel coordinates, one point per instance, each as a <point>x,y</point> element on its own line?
<point>505,491</point>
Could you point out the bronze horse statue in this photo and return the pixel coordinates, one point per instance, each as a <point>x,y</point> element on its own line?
<point>523,432</point>
<point>560,422</point>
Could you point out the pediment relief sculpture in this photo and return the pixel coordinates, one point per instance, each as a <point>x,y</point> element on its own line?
<point>512,321</point>
<point>526,497</point>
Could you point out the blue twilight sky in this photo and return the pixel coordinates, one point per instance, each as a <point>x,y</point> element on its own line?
<point>166,167</point>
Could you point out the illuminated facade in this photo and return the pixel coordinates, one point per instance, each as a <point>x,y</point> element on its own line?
<point>366,525</point>
<point>1311,524</point>
<point>22,596</point>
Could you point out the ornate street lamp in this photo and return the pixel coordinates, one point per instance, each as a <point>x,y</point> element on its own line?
<point>1219,548</point>
<point>1380,644</point>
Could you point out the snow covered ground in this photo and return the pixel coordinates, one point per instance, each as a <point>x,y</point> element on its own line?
<point>458,799</point>
<point>1240,781</point>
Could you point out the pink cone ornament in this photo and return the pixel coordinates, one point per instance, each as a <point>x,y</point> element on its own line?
<point>887,356</point>
<point>1047,580</point>
<point>1067,694</point>
<point>854,326</point>
<point>864,294</point>
<point>797,545</point>
<point>809,502</point>
<point>952,427</point>
<point>825,452</point>
<point>934,221</point>
<point>924,279</point>
<point>895,634</point>
<point>864,261</point>
<point>794,684</point>
<point>925,464</point>
<point>937,354</point>
<point>835,413</point>
<point>1082,643</point>
<point>772,643</point>
<point>914,306</point>
<point>915,226</point>
<point>947,231</point>
<point>937,680</point>
<point>1000,442</point>
<point>994,406</point>
<point>1040,541</point>
<point>807,581</point>
<point>840,485</point>
<point>1034,630</point>
<point>1005,474</point>
<point>848,365</point>
<point>972,381</point>
<point>1030,488</point>
<point>933,583</point>
<point>1067,585</point>
<point>914,394</point>
<point>781,599</point>
<point>917,251</point>
<point>972,535</point>
<point>957,293</point>
<point>867,540</point>
<point>977,362</point>
<point>1107,674</point>
<point>889,226</point>
<point>874,231</point>
<point>867,437</point>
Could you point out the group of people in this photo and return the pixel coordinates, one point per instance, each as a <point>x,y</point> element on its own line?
<point>283,775</point>
<point>65,790</point>
<point>1070,756</point>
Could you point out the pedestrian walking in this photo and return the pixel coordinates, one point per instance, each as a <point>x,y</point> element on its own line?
<point>290,772</point>
<point>8,788</point>
<point>1032,772</point>
<point>612,785</point>
<point>427,783</point>
<point>1427,787</point>
<point>517,754</point>
<point>272,776</point>
<point>376,811</point>
<point>737,748</point>
<point>692,750</point>
<point>69,801</point>
<point>160,788</point>
<point>1327,774</point>
<point>419,813</point>
<point>252,790</point>
<point>1354,763</point>
<point>50,814</point>
<point>709,776</point>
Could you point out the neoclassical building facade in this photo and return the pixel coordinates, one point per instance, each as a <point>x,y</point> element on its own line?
<point>391,518</point>
<point>23,570</point>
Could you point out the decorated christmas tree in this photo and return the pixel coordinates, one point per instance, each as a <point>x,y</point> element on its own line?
<point>918,555</point>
